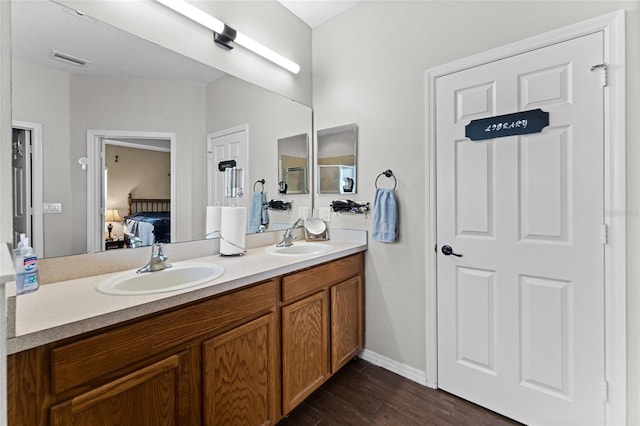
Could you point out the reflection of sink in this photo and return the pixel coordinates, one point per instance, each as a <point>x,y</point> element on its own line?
<point>178,277</point>
<point>300,249</point>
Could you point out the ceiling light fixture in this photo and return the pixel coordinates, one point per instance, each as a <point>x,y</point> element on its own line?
<point>225,35</point>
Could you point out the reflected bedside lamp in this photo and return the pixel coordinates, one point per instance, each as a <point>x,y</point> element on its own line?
<point>111,216</point>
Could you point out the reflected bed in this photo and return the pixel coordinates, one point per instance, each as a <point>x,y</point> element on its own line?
<point>148,221</point>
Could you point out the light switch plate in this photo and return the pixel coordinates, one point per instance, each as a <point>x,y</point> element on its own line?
<point>52,208</point>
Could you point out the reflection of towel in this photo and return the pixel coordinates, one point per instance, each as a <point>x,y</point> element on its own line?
<point>258,214</point>
<point>385,216</point>
<point>265,209</point>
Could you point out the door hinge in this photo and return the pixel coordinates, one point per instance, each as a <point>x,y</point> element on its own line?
<point>605,234</point>
<point>605,391</point>
<point>604,69</point>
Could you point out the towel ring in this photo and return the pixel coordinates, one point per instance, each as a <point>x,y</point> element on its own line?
<point>260,181</point>
<point>388,173</point>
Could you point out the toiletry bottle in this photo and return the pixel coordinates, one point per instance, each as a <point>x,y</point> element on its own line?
<point>26,263</point>
<point>16,252</point>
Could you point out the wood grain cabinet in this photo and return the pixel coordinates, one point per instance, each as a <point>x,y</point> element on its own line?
<point>147,397</point>
<point>305,338</point>
<point>346,322</point>
<point>322,325</point>
<point>210,362</point>
<point>240,375</point>
<point>244,357</point>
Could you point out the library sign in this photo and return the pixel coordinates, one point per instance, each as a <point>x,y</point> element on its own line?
<point>518,123</point>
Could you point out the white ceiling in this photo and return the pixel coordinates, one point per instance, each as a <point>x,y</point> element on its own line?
<point>315,12</point>
<point>38,27</point>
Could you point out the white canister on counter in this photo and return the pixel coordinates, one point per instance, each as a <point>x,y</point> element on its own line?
<point>233,227</point>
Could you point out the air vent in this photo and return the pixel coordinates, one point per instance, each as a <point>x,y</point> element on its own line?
<point>68,59</point>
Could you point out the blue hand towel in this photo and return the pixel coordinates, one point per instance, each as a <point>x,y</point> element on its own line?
<point>256,212</point>
<point>385,216</point>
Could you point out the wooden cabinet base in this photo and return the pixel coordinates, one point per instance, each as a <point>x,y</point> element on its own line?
<point>322,325</point>
<point>244,357</point>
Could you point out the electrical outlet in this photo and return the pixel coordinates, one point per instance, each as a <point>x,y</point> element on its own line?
<point>303,212</point>
<point>325,214</point>
<point>52,208</point>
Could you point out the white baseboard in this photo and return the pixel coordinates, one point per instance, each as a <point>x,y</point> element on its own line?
<point>400,369</point>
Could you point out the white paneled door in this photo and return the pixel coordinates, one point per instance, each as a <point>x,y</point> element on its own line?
<point>229,144</point>
<point>521,312</point>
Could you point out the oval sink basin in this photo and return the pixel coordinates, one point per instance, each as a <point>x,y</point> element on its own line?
<point>300,249</point>
<point>178,277</point>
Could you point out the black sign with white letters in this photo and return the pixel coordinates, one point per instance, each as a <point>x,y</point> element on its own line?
<point>518,123</point>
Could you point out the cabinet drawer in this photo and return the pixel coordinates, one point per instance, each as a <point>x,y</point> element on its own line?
<point>97,356</point>
<point>320,277</point>
<point>149,396</point>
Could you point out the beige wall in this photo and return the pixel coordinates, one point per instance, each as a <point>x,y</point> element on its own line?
<point>102,103</point>
<point>67,106</point>
<point>232,102</point>
<point>369,68</point>
<point>43,96</point>
<point>6,214</point>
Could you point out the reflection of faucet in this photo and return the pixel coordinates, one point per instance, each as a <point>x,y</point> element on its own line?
<point>157,262</point>
<point>288,237</point>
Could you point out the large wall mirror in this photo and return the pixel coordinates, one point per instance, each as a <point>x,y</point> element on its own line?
<point>336,162</point>
<point>82,89</point>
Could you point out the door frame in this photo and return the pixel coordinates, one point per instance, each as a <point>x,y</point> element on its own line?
<point>36,183</point>
<point>95,201</point>
<point>613,27</point>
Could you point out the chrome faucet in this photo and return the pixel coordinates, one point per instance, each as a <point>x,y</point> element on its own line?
<point>288,237</point>
<point>157,261</point>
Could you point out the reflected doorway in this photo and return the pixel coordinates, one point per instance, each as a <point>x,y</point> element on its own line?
<point>27,184</point>
<point>126,165</point>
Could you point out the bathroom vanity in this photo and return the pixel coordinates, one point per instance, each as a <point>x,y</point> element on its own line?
<point>247,354</point>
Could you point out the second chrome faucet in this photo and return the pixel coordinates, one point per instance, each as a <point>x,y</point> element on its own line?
<point>288,237</point>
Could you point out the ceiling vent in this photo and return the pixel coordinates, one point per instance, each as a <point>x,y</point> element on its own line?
<point>68,59</point>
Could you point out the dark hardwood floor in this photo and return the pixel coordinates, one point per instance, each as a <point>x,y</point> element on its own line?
<point>364,394</point>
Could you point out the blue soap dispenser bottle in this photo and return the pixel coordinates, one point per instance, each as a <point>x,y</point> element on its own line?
<point>26,263</point>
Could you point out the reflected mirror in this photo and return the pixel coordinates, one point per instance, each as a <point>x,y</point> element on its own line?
<point>293,162</point>
<point>336,162</point>
<point>82,89</point>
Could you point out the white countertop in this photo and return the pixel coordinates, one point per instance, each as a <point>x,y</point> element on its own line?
<point>68,308</point>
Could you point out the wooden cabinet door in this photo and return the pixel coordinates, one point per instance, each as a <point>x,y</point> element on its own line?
<point>239,375</point>
<point>347,334</point>
<point>305,348</point>
<point>150,396</point>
